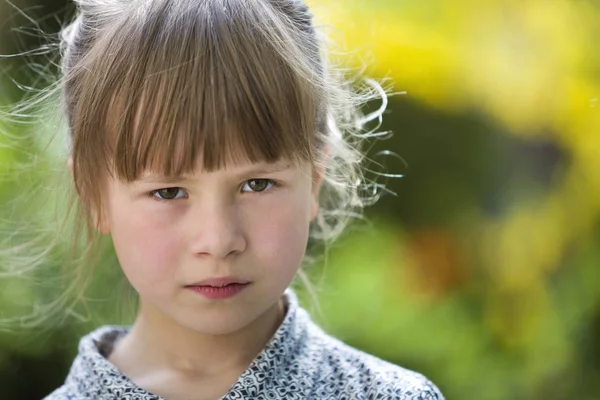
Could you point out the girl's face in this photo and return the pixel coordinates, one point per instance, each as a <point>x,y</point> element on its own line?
<point>249,221</point>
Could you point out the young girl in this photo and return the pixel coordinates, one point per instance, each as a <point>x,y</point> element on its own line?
<point>206,139</point>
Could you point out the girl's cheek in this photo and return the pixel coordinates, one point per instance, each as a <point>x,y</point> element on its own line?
<point>150,263</point>
<point>281,233</point>
<point>148,248</point>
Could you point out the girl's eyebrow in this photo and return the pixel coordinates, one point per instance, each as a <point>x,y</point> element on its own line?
<point>256,170</point>
<point>157,178</point>
<point>266,169</point>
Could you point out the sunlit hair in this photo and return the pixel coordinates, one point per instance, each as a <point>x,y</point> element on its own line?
<point>161,85</point>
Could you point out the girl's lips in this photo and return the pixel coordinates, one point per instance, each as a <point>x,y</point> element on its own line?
<point>219,292</point>
<point>222,281</point>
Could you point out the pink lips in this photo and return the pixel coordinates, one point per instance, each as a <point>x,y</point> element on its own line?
<point>220,288</point>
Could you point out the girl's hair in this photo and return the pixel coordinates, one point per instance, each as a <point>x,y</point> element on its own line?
<point>160,85</point>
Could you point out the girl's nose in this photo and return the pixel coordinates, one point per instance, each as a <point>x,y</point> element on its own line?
<point>217,231</point>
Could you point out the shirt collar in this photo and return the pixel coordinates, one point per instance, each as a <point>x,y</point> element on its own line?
<point>94,374</point>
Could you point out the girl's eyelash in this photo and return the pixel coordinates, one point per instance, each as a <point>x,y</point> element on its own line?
<point>153,194</point>
<point>274,184</point>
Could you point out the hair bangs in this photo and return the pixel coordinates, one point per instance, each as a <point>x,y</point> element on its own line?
<point>214,90</point>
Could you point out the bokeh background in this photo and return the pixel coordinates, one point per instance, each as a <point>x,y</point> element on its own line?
<point>482,271</point>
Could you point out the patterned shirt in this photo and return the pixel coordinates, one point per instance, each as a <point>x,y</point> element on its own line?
<point>300,361</point>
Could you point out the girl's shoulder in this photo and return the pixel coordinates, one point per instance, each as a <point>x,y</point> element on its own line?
<point>91,374</point>
<point>65,392</point>
<point>342,371</point>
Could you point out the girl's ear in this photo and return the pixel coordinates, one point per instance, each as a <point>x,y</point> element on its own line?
<point>102,224</point>
<point>318,176</point>
<point>99,221</point>
<point>70,165</point>
<point>314,206</point>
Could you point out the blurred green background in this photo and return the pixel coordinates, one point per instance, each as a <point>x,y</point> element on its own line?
<point>482,273</point>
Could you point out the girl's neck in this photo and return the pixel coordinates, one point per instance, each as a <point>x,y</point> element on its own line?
<point>155,345</point>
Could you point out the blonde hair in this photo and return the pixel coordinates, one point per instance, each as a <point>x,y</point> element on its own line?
<point>156,84</point>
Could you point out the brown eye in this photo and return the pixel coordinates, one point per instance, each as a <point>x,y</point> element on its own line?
<point>257,185</point>
<point>169,193</point>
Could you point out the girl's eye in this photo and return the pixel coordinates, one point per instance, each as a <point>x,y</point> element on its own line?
<point>257,185</point>
<point>169,193</point>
